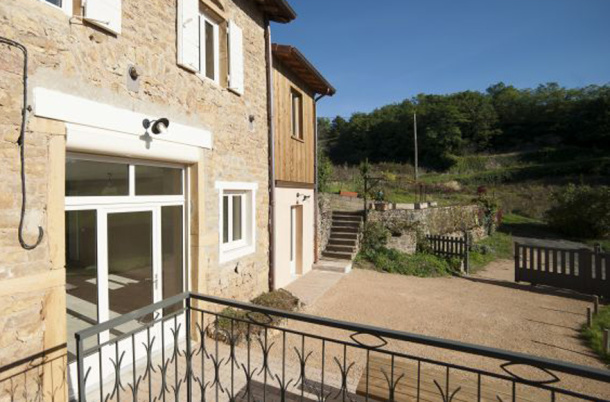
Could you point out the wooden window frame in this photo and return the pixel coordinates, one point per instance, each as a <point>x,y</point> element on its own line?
<point>296,128</point>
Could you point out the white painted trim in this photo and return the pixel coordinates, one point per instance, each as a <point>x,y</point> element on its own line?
<point>73,109</point>
<point>229,254</point>
<point>66,6</point>
<point>236,185</point>
<point>98,141</point>
<point>203,18</point>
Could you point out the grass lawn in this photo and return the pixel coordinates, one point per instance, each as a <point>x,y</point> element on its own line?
<point>497,246</point>
<point>595,335</point>
<point>396,262</point>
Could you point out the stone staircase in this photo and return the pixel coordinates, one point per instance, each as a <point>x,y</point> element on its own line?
<point>342,245</point>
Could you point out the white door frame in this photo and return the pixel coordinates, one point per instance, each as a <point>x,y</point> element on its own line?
<point>107,205</point>
<point>293,241</point>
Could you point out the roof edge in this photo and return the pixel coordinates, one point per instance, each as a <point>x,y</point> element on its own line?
<point>278,49</point>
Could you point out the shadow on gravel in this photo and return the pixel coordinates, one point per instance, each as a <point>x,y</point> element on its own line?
<point>546,290</point>
<point>531,230</point>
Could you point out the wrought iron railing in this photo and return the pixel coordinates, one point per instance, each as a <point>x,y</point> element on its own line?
<point>209,348</point>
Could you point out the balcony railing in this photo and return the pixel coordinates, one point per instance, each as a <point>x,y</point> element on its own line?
<point>209,348</point>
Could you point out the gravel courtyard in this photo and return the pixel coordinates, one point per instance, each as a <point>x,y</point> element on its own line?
<point>486,309</point>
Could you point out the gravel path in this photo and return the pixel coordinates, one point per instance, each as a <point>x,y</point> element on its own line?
<point>487,309</point>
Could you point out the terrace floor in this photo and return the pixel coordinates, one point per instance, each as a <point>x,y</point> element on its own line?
<point>486,309</point>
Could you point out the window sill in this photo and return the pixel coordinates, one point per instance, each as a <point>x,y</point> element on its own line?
<point>230,255</point>
<point>203,78</point>
<point>297,139</point>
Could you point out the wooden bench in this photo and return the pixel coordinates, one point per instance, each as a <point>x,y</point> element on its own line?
<point>425,386</point>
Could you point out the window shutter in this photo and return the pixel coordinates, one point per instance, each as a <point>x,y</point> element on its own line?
<point>236,58</point>
<point>188,34</point>
<point>104,13</point>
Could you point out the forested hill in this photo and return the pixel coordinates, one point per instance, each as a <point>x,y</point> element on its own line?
<point>503,118</point>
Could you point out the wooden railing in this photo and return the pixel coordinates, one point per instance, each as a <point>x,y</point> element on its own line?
<point>582,270</point>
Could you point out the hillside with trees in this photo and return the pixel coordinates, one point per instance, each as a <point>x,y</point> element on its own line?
<point>542,155</point>
<point>502,119</point>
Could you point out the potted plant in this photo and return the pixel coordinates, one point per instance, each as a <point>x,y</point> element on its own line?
<point>380,204</point>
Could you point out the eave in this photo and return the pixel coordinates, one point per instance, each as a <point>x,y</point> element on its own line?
<point>294,60</point>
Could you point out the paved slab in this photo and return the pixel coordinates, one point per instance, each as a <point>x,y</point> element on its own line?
<point>313,285</point>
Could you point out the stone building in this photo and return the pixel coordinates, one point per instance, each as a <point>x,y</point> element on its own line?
<point>145,161</point>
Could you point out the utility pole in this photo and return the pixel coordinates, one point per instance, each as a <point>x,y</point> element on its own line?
<point>415,141</point>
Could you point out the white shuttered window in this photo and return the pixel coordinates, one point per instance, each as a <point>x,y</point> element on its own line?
<point>199,36</point>
<point>236,58</point>
<point>104,13</point>
<point>188,34</point>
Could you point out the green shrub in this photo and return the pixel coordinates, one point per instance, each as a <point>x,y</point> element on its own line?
<point>325,172</point>
<point>466,164</point>
<point>419,264</point>
<point>240,323</point>
<point>581,211</point>
<point>595,334</point>
<point>374,236</point>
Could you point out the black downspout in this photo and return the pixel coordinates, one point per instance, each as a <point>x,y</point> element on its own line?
<point>270,123</point>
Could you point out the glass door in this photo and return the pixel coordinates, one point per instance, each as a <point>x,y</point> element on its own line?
<point>133,268</point>
<point>125,250</point>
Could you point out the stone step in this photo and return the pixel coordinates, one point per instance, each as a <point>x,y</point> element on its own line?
<point>343,236</point>
<point>343,229</point>
<point>355,225</point>
<point>347,218</point>
<point>338,256</point>
<point>341,242</point>
<point>340,249</point>
<point>333,265</point>
<point>347,213</point>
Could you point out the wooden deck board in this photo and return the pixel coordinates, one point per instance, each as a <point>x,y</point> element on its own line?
<point>407,388</point>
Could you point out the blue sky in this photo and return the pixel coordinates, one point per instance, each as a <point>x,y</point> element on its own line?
<point>399,48</point>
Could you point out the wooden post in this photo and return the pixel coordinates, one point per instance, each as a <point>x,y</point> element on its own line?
<point>415,144</point>
<point>589,317</point>
<point>516,251</point>
<point>466,252</point>
<point>606,343</point>
<point>595,304</point>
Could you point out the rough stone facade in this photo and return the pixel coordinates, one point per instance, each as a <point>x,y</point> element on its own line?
<point>325,221</point>
<point>406,225</point>
<point>74,57</point>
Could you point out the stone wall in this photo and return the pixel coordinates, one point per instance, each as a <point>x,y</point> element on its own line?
<point>74,57</point>
<point>406,225</point>
<point>325,221</point>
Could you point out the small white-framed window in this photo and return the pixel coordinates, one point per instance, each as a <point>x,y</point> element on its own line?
<point>64,5</point>
<point>209,48</point>
<point>296,101</point>
<point>237,223</point>
<point>233,219</point>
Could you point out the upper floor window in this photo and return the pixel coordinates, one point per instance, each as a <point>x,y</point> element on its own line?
<point>297,114</point>
<point>65,5</point>
<point>209,49</point>
<point>209,44</point>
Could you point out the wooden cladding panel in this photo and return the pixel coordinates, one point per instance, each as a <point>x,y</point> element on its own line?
<point>294,159</point>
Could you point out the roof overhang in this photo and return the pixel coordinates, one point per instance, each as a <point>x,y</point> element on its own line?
<point>292,58</point>
<point>277,10</point>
